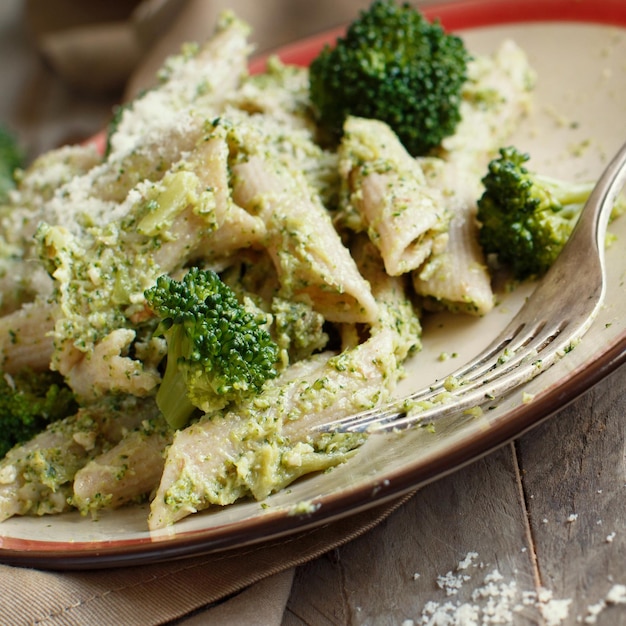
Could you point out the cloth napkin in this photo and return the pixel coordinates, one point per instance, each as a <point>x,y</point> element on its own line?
<point>243,587</point>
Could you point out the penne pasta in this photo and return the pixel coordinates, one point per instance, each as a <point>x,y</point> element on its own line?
<point>317,252</point>
<point>456,276</point>
<point>496,98</point>
<point>25,341</point>
<point>128,472</point>
<point>36,477</point>
<point>311,260</point>
<point>403,216</point>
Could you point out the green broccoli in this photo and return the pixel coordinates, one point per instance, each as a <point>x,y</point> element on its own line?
<point>526,218</point>
<point>29,401</point>
<point>395,66</point>
<point>11,158</point>
<point>217,351</point>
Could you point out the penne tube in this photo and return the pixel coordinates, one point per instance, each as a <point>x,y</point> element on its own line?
<point>25,337</point>
<point>36,477</point>
<point>128,472</point>
<point>311,260</point>
<point>456,276</point>
<point>496,98</point>
<point>403,216</point>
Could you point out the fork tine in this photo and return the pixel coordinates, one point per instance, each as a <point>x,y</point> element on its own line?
<point>495,376</point>
<point>530,344</point>
<point>543,349</point>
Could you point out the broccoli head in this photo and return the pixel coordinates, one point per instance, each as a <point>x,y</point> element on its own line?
<point>11,158</point>
<point>29,401</point>
<point>526,218</point>
<point>395,66</point>
<point>217,351</point>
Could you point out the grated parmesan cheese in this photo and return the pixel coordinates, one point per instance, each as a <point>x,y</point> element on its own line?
<point>615,595</point>
<point>494,600</point>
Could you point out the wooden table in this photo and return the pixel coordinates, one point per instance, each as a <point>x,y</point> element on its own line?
<point>545,512</point>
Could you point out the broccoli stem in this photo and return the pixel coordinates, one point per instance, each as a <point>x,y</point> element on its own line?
<point>574,194</point>
<point>172,398</point>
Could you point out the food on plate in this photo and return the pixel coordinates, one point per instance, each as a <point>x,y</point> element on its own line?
<point>526,218</point>
<point>395,66</point>
<point>261,446</point>
<point>218,188</point>
<point>29,401</point>
<point>386,193</point>
<point>218,352</point>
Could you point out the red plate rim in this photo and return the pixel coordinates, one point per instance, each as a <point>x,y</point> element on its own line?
<point>467,14</point>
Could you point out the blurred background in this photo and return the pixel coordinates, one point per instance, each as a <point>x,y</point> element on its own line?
<point>66,63</point>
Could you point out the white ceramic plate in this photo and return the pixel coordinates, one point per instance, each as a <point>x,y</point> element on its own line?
<point>578,48</point>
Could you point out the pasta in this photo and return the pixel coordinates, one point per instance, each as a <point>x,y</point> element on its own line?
<point>404,215</point>
<point>37,477</point>
<point>457,276</point>
<point>221,170</point>
<point>24,339</point>
<point>310,258</point>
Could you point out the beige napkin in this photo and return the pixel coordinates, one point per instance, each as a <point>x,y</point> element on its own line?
<point>162,592</point>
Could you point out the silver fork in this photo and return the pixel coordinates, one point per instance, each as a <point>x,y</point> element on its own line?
<point>554,318</point>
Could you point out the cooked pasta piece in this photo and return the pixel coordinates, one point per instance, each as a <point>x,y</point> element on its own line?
<point>129,471</point>
<point>280,96</point>
<point>24,337</point>
<point>36,477</point>
<point>404,217</point>
<point>496,99</point>
<point>456,277</point>
<point>107,368</point>
<point>235,228</point>
<point>312,262</point>
<point>21,282</point>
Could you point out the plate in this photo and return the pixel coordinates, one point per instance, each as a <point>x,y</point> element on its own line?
<point>578,48</point>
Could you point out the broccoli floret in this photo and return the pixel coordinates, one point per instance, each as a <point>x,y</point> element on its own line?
<point>526,218</point>
<point>11,158</point>
<point>29,401</point>
<point>395,66</point>
<point>217,351</point>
